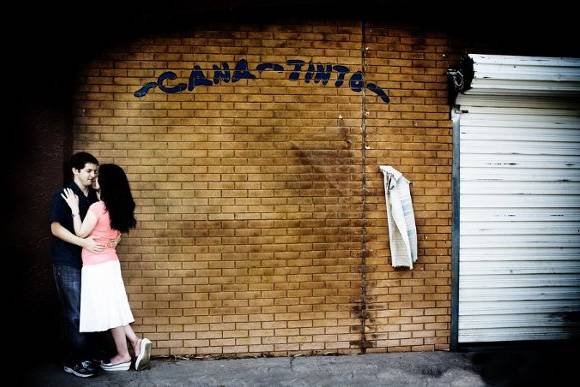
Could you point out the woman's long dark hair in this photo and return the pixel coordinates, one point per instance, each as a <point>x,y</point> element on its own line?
<point>116,193</point>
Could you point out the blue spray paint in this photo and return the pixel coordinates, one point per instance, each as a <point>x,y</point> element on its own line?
<point>316,72</point>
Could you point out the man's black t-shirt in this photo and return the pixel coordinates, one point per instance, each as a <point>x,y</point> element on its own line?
<point>64,253</point>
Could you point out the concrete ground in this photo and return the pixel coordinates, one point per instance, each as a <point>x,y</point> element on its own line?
<point>514,367</point>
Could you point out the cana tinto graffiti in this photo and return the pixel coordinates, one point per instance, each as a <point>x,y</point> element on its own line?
<point>315,72</point>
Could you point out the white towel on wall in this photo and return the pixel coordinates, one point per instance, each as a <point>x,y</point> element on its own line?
<point>401,219</point>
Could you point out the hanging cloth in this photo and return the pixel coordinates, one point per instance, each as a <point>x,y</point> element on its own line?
<point>401,219</point>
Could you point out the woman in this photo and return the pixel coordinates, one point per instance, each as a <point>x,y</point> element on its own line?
<point>104,304</point>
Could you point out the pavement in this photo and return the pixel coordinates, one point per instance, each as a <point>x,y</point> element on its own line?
<point>547,366</point>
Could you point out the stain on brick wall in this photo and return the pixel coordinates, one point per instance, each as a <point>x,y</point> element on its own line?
<point>262,221</point>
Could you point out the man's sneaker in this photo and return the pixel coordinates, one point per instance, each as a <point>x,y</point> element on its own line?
<point>91,366</point>
<point>79,370</point>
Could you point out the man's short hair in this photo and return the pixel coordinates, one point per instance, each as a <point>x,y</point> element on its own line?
<point>80,159</point>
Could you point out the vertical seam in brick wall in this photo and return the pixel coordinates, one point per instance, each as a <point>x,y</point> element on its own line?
<point>364,252</point>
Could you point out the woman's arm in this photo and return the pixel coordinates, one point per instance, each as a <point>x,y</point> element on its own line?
<point>84,228</point>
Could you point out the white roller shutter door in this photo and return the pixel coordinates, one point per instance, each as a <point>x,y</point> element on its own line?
<point>519,219</point>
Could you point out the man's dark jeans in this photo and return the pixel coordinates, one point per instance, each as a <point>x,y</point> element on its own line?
<point>68,287</point>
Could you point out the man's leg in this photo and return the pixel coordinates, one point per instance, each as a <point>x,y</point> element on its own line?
<point>68,285</point>
<point>100,345</point>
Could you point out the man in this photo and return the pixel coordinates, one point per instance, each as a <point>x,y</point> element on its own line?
<point>66,260</point>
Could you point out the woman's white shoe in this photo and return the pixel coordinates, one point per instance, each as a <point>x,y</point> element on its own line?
<point>144,357</point>
<point>116,367</point>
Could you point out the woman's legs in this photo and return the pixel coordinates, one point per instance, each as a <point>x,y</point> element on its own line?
<point>141,348</point>
<point>120,338</point>
<point>133,339</point>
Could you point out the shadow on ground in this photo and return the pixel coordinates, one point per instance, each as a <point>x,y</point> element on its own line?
<point>533,364</point>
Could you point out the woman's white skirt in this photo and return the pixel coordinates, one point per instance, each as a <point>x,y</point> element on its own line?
<point>104,303</point>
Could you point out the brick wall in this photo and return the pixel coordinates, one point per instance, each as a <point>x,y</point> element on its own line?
<point>409,310</point>
<point>262,223</point>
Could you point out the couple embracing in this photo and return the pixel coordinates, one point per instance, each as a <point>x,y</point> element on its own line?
<point>87,219</point>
